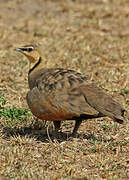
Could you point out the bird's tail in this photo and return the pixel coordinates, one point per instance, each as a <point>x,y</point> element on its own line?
<point>102,102</point>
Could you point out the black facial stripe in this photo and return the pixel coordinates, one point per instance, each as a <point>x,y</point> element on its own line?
<point>27,49</point>
<point>23,49</point>
<point>30,49</point>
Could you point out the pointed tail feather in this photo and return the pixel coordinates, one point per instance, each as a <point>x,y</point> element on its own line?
<point>102,102</point>
<point>119,120</point>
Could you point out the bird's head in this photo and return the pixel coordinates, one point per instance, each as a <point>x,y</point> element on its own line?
<point>32,52</point>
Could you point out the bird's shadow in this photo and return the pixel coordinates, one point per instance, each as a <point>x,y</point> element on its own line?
<point>43,135</point>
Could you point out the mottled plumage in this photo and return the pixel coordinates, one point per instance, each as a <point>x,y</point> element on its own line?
<point>60,94</point>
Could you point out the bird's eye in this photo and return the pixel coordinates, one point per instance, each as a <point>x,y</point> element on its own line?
<point>30,49</point>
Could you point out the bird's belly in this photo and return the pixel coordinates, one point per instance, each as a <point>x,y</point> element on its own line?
<point>48,113</point>
<point>53,116</point>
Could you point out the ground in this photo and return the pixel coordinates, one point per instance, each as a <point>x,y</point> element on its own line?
<point>91,37</point>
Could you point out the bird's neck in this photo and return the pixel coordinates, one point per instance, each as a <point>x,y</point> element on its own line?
<point>35,71</point>
<point>36,66</point>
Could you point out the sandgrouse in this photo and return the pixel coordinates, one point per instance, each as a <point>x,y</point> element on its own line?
<point>61,94</point>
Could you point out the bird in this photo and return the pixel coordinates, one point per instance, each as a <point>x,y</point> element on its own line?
<point>58,94</point>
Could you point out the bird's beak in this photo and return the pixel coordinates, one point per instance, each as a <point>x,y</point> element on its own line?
<point>18,49</point>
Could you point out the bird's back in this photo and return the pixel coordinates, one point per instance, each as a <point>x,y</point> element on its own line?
<point>54,94</point>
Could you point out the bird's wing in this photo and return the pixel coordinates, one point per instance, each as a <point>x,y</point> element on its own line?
<point>57,94</point>
<point>102,102</point>
<point>62,94</point>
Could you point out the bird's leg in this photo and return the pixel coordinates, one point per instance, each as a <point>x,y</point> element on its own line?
<point>77,124</point>
<point>57,125</point>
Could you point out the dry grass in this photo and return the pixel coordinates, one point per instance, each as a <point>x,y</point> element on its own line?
<point>89,36</point>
